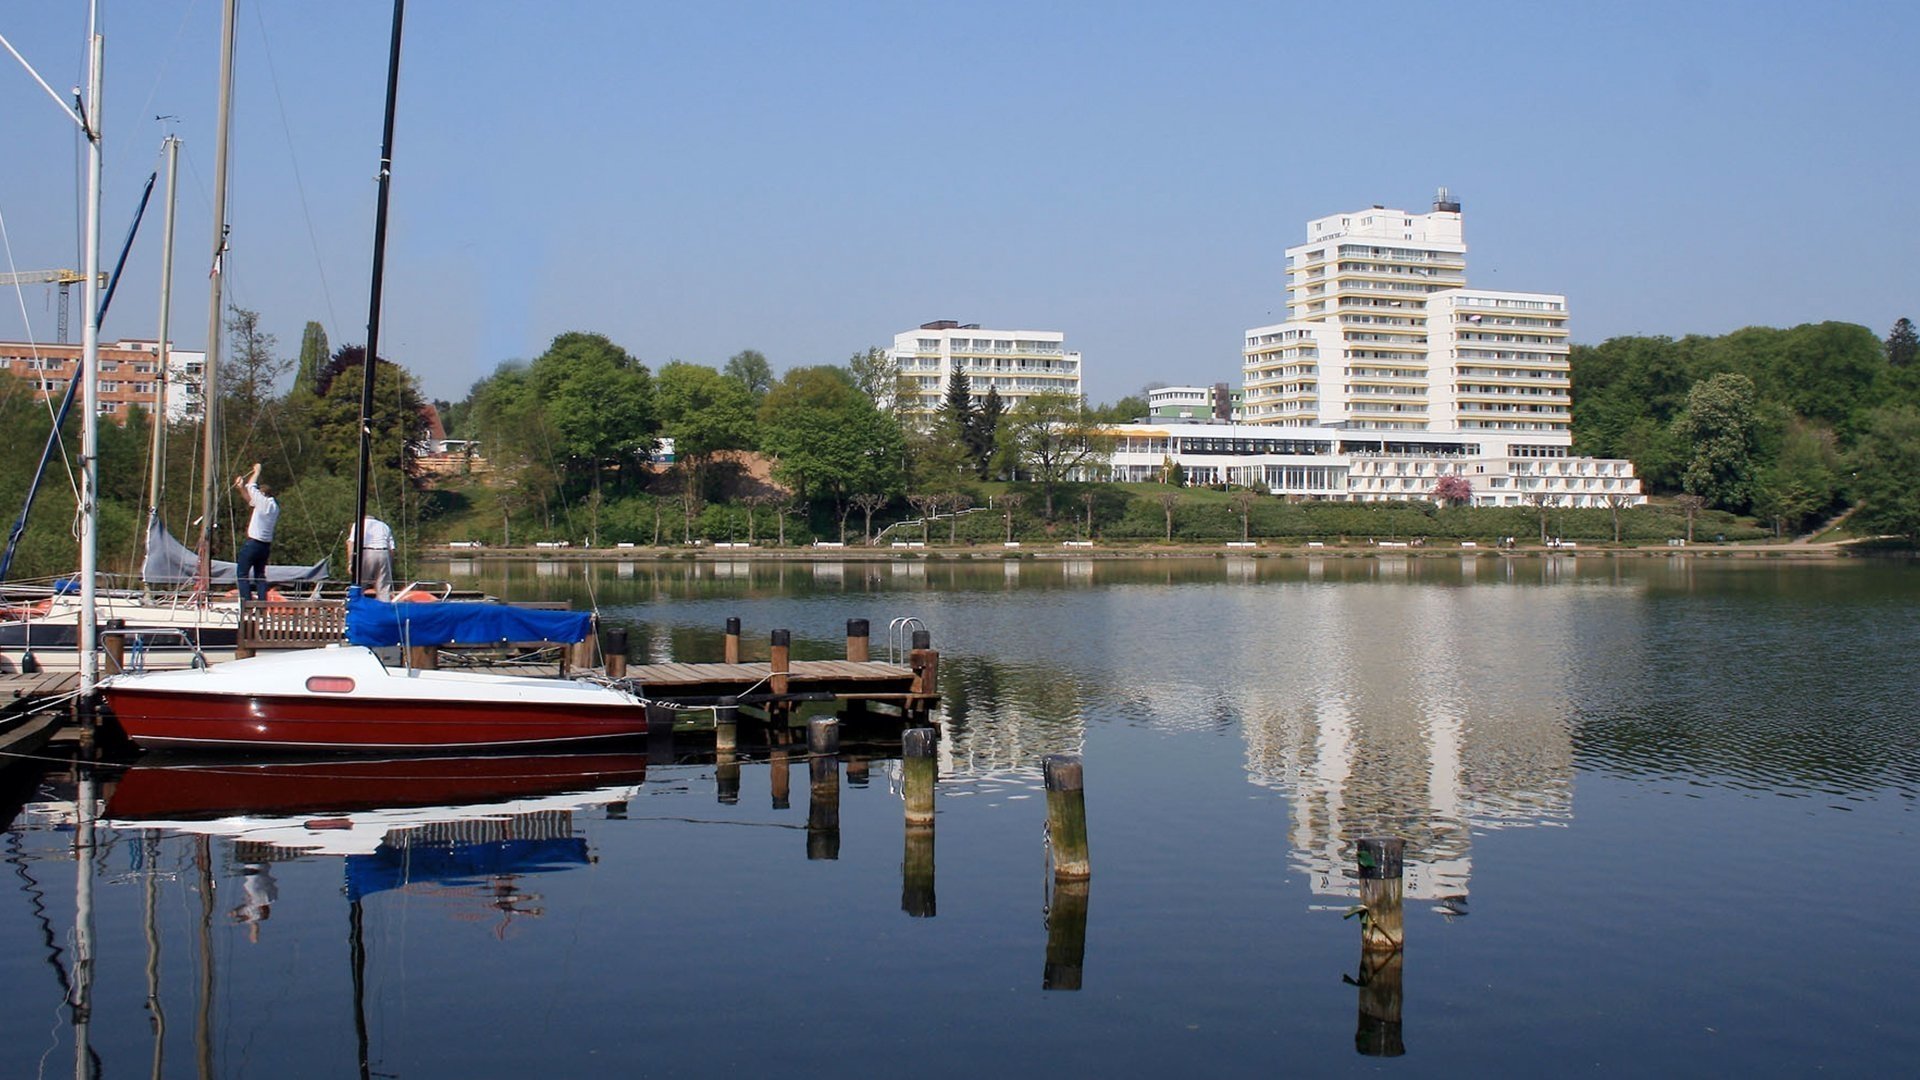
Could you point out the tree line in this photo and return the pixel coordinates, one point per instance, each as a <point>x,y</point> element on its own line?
<point>1788,425</point>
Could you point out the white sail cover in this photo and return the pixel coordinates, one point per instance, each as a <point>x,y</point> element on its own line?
<point>170,562</point>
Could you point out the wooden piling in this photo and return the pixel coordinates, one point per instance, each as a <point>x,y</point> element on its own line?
<point>1381,861</point>
<point>921,771</point>
<point>778,660</point>
<point>726,725</point>
<point>1067,817</point>
<point>858,641</point>
<point>616,651</point>
<point>423,657</point>
<point>114,643</point>
<point>731,653</point>
<point>823,736</point>
<point>580,653</point>
<point>924,662</point>
<point>917,897</point>
<point>1066,935</point>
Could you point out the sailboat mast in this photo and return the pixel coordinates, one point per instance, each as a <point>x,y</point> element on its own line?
<point>90,369</point>
<point>156,485</point>
<point>373,302</point>
<point>210,374</point>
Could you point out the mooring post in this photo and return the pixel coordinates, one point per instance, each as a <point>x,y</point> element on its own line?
<point>423,657</point>
<point>778,778</point>
<point>1067,817</point>
<point>916,874</point>
<point>857,641</point>
<point>731,654</point>
<point>616,650</point>
<point>659,733</point>
<point>1378,1032</point>
<point>726,725</point>
<point>1066,935</point>
<point>1381,867</point>
<point>114,642</point>
<point>580,654</point>
<point>823,736</point>
<point>778,660</point>
<point>925,664</point>
<point>916,752</point>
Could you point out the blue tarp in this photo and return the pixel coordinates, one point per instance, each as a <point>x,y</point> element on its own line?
<point>459,864</point>
<point>377,623</point>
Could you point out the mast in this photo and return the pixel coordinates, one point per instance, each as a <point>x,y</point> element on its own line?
<point>90,367</point>
<point>373,301</point>
<point>156,484</point>
<point>210,374</point>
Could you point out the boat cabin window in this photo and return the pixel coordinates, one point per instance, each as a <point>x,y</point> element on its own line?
<point>330,684</point>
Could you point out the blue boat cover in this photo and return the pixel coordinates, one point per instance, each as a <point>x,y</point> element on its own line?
<point>377,623</point>
<point>459,864</point>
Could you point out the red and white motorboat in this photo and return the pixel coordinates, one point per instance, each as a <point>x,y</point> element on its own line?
<point>344,697</point>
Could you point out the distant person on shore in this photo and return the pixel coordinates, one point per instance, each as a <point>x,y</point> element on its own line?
<point>251,568</point>
<point>376,561</point>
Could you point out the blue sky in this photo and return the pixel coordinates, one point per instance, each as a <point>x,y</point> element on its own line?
<point>809,179</point>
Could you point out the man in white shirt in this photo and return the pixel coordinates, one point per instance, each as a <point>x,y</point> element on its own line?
<point>376,559</point>
<point>251,567</point>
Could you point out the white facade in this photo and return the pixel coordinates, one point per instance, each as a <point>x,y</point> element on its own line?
<point>1344,465</point>
<point>1016,363</point>
<point>1383,334</point>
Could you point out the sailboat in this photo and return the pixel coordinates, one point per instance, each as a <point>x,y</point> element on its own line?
<point>346,697</point>
<point>42,629</point>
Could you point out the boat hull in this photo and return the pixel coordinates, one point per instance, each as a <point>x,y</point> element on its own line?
<point>345,699</point>
<point>298,722</point>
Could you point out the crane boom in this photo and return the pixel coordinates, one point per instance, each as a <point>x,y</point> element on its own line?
<point>62,278</point>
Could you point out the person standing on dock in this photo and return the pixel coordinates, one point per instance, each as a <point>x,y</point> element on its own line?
<point>376,559</point>
<point>251,567</point>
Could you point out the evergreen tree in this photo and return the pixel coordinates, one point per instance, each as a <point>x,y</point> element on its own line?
<point>314,353</point>
<point>1903,345</point>
<point>986,438</point>
<point>959,418</point>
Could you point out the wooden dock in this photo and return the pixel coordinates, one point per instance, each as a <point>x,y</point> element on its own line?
<point>31,712</point>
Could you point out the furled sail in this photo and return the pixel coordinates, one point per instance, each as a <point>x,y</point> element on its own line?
<point>170,562</point>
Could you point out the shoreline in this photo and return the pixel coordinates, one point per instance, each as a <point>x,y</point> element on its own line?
<point>1060,551</point>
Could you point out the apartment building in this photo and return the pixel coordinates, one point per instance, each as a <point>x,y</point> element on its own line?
<point>1217,402</point>
<point>1016,363</point>
<point>129,374</point>
<point>1383,334</point>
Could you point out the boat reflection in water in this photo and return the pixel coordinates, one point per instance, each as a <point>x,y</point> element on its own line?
<point>467,822</point>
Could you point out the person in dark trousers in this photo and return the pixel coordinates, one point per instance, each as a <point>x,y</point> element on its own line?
<point>251,567</point>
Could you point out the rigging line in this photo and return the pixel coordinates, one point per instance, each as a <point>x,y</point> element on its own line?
<point>299,184</point>
<point>166,58</point>
<point>286,459</point>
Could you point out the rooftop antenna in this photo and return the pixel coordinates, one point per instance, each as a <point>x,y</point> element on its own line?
<point>1444,200</point>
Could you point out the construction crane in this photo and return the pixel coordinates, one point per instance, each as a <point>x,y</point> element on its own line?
<point>66,279</point>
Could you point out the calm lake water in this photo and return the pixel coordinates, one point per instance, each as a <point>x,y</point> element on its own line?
<point>1659,817</point>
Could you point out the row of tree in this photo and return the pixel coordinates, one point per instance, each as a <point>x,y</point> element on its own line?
<point>1788,425</point>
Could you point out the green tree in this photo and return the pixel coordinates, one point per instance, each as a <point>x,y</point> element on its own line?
<point>828,440</point>
<point>986,433</point>
<point>876,374</point>
<point>1719,423</point>
<point>1804,479</point>
<point>598,401</point>
<point>704,412</point>
<point>1886,467</point>
<point>247,381</point>
<point>331,420</point>
<point>313,357</point>
<point>1903,345</point>
<point>752,371</point>
<point>1050,436</point>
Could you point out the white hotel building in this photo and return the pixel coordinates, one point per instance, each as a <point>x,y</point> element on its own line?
<point>1389,373</point>
<point>1016,363</point>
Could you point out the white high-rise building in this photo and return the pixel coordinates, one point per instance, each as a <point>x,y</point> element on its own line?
<point>1016,363</point>
<point>1383,334</point>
